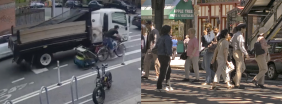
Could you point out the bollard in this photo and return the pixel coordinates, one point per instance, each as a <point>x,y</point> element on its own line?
<point>123,57</point>
<point>46,91</point>
<point>75,80</point>
<point>8,102</point>
<point>59,74</point>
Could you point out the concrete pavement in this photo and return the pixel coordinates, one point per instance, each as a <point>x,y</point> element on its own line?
<point>192,93</point>
<point>21,84</point>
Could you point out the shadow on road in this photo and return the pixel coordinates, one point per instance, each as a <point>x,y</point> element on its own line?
<point>187,92</point>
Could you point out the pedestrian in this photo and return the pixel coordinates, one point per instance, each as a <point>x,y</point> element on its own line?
<point>210,40</point>
<point>151,54</point>
<point>261,52</point>
<point>186,40</point>
<point>193,56</point>
<point>164,45</point>
<point>221,56</point>
<point>237,42</point>
<point>174,47</point>
<point>143,47</point>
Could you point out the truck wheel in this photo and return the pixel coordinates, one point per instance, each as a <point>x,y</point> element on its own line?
<point>44,59</point>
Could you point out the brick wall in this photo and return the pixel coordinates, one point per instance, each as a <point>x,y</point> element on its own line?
<point>7,16</point>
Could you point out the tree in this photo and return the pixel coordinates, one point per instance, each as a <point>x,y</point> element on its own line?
<point>158,10</point>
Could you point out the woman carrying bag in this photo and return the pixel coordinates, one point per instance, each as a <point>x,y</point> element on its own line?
<point>221,55</point>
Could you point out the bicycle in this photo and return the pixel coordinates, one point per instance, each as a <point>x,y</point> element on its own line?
<point>103,80</point>
<point>103,51</point>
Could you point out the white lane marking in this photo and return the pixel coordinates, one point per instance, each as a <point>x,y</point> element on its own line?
<point>85,101</point>
<point>134,46</point>
<point>66,82</point>
<point>17,80</point>
<point>132,52</point>
<point>38,71</point>
<point>135,35</point>
<point>131,40</point>
<point>61,66</point>
<point>80,98</point>
<point>128,53</point>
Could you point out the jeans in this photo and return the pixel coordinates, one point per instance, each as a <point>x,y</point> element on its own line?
<point>109,42</point>
<point>165,70</point>
<point>207,62</point>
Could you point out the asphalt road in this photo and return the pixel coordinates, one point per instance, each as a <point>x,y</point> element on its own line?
<point>21,84</point>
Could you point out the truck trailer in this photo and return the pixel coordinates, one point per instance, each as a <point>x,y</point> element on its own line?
<point>37,44</point>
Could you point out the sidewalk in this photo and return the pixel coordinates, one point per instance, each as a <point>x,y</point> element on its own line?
<point>188,92</point>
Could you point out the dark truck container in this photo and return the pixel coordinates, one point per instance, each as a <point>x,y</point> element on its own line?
<point>37,44</point>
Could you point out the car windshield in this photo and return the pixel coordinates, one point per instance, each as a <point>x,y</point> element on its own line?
<point>100,2</point>
<point>123,3</point>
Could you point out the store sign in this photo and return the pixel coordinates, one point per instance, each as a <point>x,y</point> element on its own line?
<point>183,10</point>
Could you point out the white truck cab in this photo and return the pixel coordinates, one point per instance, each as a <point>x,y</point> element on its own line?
<point>104,19</point>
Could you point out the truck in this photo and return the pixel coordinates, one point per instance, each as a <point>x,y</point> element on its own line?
<point>36,45</point>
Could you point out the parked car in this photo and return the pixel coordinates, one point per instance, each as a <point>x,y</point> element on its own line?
<point>72,4</point>
<point>137,21</point>
<point>275,63</point>
<point>4,50</point>
<point>95,3</point>
<point>121,5</point>
<point>58,4</point>
<point>36,5</point>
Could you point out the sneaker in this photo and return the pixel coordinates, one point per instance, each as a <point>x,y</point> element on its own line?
<point>160,90</point>
<point>260,86</point>
<point>168,88</point>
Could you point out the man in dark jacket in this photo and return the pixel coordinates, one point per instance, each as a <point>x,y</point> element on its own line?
<point>151,54</point>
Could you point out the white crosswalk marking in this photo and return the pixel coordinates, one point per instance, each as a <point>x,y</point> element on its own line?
<point>38,71</point>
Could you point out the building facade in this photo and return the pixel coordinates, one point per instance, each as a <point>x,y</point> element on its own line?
<point>215,12</point>
<point>7,16</point>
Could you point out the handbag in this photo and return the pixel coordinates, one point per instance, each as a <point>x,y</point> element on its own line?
<point>183,56</point>
<point>212,47</point>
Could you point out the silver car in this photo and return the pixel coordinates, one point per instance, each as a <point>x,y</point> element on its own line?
<point>4,50</point>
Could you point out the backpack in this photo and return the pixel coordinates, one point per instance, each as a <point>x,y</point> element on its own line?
<point>258,49</point>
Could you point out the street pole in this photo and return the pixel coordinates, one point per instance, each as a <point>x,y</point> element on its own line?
<point>53,8</point>
<point>196,22</point>
<point>62,7</point>
<point>59,74</point>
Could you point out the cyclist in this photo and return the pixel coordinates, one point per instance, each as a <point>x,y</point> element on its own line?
<point>110,36</point>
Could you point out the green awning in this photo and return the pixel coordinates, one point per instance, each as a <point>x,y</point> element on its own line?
<point>180,10</point>
<point>183,10</point>
<point>147,14</point>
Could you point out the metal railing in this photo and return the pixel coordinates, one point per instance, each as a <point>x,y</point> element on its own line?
<point>71,84</point>
<point>46,92</point>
